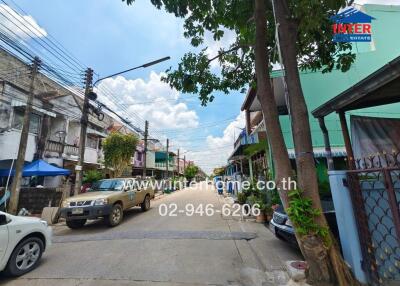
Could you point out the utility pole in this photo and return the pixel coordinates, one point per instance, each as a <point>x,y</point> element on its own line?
<point>184,164</point>
<point>16,185</point>
<point>167,157</point>
<point>146,135</point>
<point>178,163</point>
<point>84,124</point>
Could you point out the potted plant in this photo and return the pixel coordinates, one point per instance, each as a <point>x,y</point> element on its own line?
<point>241,198</point>
<point>262,206</point>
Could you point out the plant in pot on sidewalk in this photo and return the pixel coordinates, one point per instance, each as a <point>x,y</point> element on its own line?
<point>241,198</point>
<point>261,208</point>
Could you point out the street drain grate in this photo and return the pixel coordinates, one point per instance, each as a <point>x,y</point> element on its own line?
<point>211,235</point>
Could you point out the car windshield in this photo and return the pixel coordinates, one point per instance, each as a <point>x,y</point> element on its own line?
<point>108,185</point>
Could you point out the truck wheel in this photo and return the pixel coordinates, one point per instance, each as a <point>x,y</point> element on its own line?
<point>146,203</point>
<point>25,256</point>
<point>116,215</point>
<point>76,223</point>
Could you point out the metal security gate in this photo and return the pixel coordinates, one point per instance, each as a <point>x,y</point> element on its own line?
<point>375,191</point>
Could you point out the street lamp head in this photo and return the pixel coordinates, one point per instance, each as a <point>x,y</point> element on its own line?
<point>156,62</point>
<point>142,66</point>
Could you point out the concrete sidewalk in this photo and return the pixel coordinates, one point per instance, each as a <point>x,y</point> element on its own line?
<point>265,256</point>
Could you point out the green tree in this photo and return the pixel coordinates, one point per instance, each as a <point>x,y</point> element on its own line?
<point>118,151</point>
<point>307,45</point>
<point>191,171</point>
<point>92,176</point>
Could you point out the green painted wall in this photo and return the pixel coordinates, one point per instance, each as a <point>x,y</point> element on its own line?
<point>319,88</point>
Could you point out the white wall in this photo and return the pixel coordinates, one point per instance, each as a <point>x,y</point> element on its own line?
<point>57,124</point>
<point>150,159</point>
<point>9,143</point>
<point>53,182</point>
<point>90,155</point>
<point>73,133</point>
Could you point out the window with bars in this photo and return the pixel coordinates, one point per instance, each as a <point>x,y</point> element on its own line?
<point>34,121</point>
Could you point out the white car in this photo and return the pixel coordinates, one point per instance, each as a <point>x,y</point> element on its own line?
<point>22,243</point>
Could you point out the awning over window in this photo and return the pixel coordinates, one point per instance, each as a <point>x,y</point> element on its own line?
<point>16,103</point>
<point>95,132</point>
<point>321,153</point>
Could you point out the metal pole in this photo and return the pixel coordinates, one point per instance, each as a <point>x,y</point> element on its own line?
<point>178,164</point>
<point>347,142</point>
<point>82,138</point>
<point>167,156</point>
<point>184,164</point>
<point>146,134</point>
<point>327,143</point>
<point>16,185</point>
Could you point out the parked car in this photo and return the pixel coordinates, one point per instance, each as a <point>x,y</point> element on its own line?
<point>22,243</point>
<point>107,198</point>
<point>282,227</point>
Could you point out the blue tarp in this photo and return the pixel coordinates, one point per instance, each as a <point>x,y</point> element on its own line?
<point>38,168</point>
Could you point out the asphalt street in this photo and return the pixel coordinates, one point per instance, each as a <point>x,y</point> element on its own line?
<point>152,249</point>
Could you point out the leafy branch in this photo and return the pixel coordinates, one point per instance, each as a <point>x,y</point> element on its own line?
<point>302,214</point>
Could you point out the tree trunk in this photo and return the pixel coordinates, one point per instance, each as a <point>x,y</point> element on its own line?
<point>321,259</point>
<point>268,104</point>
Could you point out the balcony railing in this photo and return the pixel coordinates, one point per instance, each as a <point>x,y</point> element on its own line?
<point>54,146</point>
<point>71,150</point>
<point>163,165</point>
<point>59,147</point>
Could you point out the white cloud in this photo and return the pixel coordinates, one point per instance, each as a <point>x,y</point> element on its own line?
<point>216,149</point>
<point>21,25</point>
<point>213,47</point>
<point>230,133</point>
<point>152,100</point>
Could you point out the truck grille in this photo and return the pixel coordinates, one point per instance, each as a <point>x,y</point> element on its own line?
<point>80,203</point>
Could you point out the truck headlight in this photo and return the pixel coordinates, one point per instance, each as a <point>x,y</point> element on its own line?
<point>100,202</point>
<point>65,204</point>
<point>289,223</point>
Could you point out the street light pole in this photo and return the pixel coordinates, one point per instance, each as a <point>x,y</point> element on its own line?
<point>167,156</point>
<point>178,164</point>
<point>146,135</point>
<point>89,94</point>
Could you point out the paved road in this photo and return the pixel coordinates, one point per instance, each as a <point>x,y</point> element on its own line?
<point>149,249</point>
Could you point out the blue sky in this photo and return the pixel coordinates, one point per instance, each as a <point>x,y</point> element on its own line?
<point>110,36</point>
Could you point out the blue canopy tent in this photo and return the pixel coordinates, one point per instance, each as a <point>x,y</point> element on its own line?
<point>38,168</point>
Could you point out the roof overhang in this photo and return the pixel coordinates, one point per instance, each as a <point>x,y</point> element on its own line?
<point>321,152</point>
<point>251,102</point>
<point>379,88</point>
